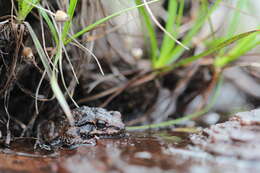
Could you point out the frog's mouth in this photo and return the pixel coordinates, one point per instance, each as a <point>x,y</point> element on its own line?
<point>106,131</point>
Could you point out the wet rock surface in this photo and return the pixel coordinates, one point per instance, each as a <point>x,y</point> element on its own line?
<point>227,147</point>
<point>238,138</point>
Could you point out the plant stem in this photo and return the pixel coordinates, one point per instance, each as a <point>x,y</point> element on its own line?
<point>187,117</point>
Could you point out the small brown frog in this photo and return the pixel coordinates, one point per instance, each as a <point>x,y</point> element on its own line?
<point>90,122</point>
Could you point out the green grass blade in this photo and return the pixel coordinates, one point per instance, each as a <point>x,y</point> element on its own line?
<point>51,74</point>
<point>180,12</point>
<point>105,19</point>
<point>233,25</point>
<point>240,49</point>
<point>168,43</point>
<point>176,53</point>
<point>234,22</point>
<point>159,25</point>
<point>61,99</point>
<point>67,24</point>
<point>25,7</point>
<point>50,25</point>
<point>150,29</point>
<point>39,49</point>
<point>213,50</point>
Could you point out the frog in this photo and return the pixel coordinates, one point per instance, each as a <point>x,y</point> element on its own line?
<point>90,124</point>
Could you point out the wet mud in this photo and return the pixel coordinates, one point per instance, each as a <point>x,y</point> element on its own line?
<point>137,152</point>
<point>232,146</point>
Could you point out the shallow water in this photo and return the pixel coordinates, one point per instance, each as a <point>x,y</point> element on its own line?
<point>138,152</point>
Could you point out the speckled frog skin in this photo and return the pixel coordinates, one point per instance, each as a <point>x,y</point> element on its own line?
<point>90,123</point>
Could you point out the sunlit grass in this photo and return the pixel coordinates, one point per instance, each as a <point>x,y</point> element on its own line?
<point>25,7</point>
<point>150,30</point>
<point>170,52</point>
<point>228,55</point>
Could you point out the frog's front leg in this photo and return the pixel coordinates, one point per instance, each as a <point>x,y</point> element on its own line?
<point>77,136</point>
<point>80,142</point>
<point>45,135</point>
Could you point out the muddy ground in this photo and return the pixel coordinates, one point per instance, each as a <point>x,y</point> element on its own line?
<point>218,148</point>
<point>158,152</point>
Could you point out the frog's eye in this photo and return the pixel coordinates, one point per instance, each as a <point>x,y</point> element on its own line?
<point>101,124</point>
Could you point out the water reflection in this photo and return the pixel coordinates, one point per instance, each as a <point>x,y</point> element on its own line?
<point>138,152</point>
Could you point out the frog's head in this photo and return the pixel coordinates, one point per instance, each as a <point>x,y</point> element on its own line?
<point>108,122</point>
<point>109,119</point>
<point>105,122</point>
